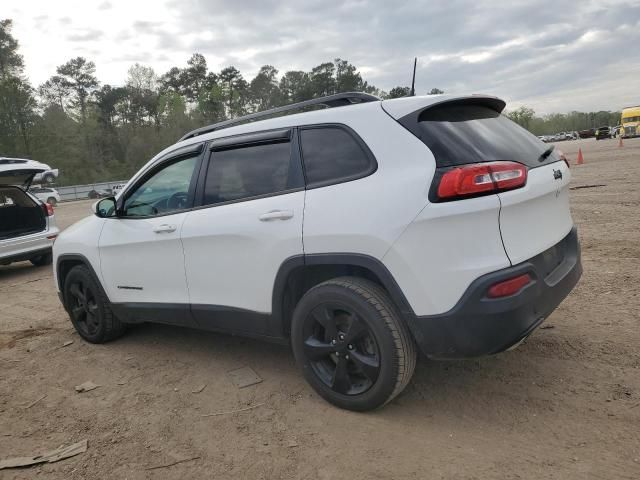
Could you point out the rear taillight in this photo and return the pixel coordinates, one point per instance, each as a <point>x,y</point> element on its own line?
<point>563,157</point>
<point>480,179</point>
<point>47,209</point>
<point>509,287</point>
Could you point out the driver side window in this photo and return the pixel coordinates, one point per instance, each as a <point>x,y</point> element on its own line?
<point>166,191</point>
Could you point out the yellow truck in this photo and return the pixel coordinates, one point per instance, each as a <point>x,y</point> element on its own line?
<point>630,122</point>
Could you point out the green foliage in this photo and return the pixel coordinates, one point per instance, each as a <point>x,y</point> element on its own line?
<point>522,116</point>
<point>562,122</point>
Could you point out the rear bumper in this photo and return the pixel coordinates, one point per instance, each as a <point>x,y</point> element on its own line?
<point>479,325</point>
<point>24,256</point>
<point>27,247</point>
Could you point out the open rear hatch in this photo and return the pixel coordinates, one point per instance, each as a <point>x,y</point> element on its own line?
<point>479,151</point>
<point>19,214</point>
<point>20,177</point>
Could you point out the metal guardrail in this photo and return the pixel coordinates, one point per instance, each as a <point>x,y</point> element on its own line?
<point>83,192</point>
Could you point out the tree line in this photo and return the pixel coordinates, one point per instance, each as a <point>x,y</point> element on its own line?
<point>562,122</point>
<point>94,131</point>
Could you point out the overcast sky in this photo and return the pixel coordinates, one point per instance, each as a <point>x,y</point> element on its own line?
<point>547,54</point>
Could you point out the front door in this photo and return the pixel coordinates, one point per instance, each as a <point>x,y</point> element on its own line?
<point>141,256</point>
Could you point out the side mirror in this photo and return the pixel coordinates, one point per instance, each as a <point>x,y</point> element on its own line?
<point>105,208</point>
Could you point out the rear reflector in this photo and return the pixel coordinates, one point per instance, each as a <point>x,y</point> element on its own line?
<point>481,178</point>
<point>509,287</point>
<point>47,209</point>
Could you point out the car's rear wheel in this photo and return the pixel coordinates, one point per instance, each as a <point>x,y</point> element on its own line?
<point>89,308</point>
<point>351,344</point>
<point>42,260</point>
<point>52,201</point>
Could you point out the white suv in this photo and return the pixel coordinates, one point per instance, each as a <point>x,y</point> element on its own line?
<point>354,233</point>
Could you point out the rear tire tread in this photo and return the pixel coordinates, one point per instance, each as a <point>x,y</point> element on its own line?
<point>405,348</point>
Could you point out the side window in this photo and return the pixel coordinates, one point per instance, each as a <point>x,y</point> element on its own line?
<point>332,155</point>
<point>166,191</point>
<point>250,171</point>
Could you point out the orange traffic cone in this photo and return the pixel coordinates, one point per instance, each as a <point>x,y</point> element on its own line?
<point>580,157</point>
<point>620,144</point>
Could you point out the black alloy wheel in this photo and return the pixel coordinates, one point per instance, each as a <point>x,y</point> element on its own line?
<point>341,349</point>
<point>84,308</point>
<point>89,308</point>
<point>351,344</point>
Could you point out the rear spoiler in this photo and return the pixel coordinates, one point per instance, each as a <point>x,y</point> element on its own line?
<point>402,107</point>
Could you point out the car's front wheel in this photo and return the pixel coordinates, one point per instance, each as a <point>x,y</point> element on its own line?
<point>351,344</point>
<point>52,201</point>
<point>89,308</point>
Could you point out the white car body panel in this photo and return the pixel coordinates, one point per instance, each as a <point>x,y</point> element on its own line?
<point>537,216</point>
<point>232,257</point>
<point>367,215</point>
<point>29,243</point>
<point>444,249</point>
<point>139,264</point>
<point>81,240</point>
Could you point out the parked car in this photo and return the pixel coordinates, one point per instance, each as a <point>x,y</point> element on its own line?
<point>603,132</point>
<point>356,234</point>
<point>117,189</point>
<point>46,194</point>
<point>100,193</point>
<point>615,131</point>
<point>47,175</point>
<point>27,225</point>
<point>587,133</point>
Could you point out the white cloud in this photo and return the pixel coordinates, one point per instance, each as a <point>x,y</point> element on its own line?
<point>536,52</point>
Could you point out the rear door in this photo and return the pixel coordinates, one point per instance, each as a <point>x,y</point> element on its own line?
<point>248,223</point>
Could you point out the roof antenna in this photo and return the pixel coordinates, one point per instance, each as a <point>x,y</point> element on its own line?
<point>413,80</point>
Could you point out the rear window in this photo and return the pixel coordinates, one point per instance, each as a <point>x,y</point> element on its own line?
<point>250,171</point>
<point>332,155</point>
<point>459,133</point>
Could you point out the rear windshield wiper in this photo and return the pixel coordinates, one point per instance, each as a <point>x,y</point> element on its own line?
<point>546,153</point>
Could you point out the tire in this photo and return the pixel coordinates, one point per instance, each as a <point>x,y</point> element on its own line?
<point>52,201</point>
<point>88,307</point>
<point>351,344</point>
<point>42,260</point>
<point>49,178</point>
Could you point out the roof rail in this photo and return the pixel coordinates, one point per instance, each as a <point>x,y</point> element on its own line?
<point>330,101</point>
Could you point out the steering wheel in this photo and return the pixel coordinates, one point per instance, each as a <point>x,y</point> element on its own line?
<point>177,201</point>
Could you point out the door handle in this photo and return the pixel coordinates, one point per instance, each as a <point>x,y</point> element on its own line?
<point>276,215</point>
<point>164,228</point>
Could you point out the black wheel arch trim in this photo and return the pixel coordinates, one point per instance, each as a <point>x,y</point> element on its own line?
<point>367,262</point>
<point>78,258</point>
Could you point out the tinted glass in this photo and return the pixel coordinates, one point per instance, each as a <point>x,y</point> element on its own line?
<point>458,134</point>
<point>333,155</point>
<point>166,191</point>
<point>248,172</point>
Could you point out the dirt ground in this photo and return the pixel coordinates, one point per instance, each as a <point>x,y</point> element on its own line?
<point>564,405</point>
